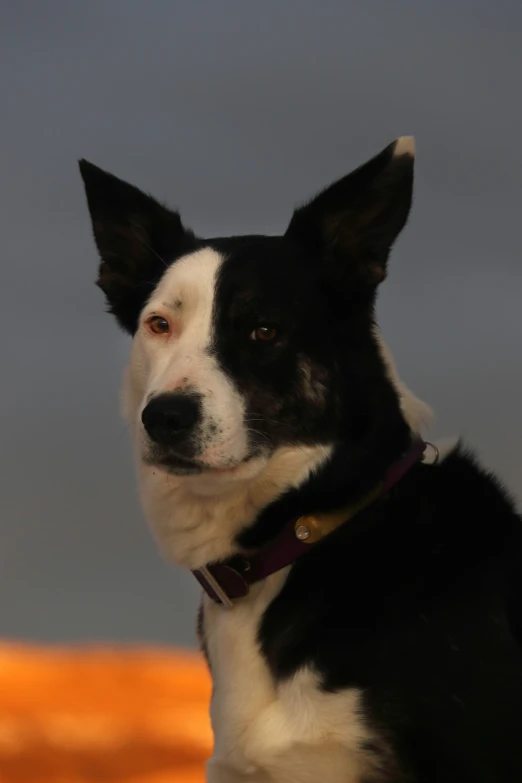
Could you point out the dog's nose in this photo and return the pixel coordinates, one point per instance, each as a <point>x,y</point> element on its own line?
<point>168,417</point>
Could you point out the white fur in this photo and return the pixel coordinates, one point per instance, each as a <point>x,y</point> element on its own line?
<point>405,145</point>
<point>185,297</point>
<point>196,518</point>
<point>264,731</point>
<point>417,413</point>
<point>290,732</point>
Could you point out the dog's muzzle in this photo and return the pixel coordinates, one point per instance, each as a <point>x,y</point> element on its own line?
<point>170,419</point>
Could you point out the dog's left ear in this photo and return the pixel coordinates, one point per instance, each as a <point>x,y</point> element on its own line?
<point>353,224</point>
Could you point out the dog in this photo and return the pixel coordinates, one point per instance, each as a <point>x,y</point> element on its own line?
<point>362,591</point>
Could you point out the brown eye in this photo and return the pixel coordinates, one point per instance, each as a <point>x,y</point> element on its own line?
<point>158,325</point>
<point>263,334</point>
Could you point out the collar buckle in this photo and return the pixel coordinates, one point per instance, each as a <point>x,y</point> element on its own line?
<point>222,583</point>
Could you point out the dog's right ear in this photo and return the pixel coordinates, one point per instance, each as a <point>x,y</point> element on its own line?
<point>352,225</point>
<point>136,238</point>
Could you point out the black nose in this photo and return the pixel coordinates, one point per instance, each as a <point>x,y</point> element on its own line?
<point>168,417</point>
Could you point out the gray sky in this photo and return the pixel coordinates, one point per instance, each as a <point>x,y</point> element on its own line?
<point>233,112</point>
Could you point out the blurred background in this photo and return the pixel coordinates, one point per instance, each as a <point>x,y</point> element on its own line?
<point>233,112</point>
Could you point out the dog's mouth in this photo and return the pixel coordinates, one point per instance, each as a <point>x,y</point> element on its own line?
<point>183,466</point>
<point>178,466</point>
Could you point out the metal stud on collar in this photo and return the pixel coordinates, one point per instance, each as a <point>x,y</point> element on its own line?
<point>296,538</point>
<point>302,532</point>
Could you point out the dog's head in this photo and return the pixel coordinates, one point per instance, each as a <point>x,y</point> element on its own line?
<point>244,345</point>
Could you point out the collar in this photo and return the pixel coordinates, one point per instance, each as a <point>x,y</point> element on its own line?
<point>230,579</point>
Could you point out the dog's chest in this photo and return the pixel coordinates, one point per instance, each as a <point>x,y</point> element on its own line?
<point>259,723</point>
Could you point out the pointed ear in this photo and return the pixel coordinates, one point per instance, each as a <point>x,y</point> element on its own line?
<point>136,238</point>
<point>353,224</point>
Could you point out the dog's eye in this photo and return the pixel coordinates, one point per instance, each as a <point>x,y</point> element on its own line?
<point>158,325</point>
<point>264,334</point>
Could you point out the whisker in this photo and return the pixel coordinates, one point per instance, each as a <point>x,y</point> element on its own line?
<point>145,244</point>
<point>258,432</point>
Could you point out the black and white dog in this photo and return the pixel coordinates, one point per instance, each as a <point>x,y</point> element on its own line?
<point>362,605</point>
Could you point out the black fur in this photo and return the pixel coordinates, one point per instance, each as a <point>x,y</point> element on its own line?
<point>419,600</point>
<point>353,224</point>
<point>136,237</point>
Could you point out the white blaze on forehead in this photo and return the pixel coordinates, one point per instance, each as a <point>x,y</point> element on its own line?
<point>185,296</point>
<point>187,289</point>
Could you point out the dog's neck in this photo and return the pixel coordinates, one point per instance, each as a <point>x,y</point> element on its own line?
<point>197,519</point>
<point>231,579</point>
<point>347,476</point>
<point>200,520</point>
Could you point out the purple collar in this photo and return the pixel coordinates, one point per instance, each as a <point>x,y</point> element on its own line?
<point>230,579</point>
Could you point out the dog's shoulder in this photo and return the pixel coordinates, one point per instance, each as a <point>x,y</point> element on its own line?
<point>441,524</point>
<point>421,610</point>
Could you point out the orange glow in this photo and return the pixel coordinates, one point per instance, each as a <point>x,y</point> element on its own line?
<point>103,715</point>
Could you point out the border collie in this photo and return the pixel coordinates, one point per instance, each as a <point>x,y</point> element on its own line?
<point>362,594</point>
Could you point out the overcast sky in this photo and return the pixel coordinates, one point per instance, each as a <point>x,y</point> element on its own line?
<point>234,112</point>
